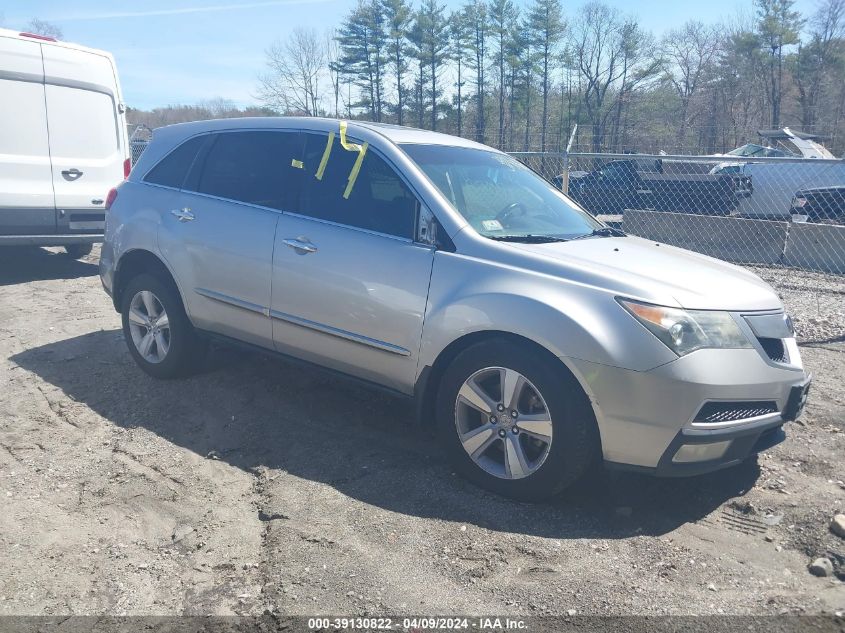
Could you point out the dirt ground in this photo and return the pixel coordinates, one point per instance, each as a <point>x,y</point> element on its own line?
<point>262,486</point>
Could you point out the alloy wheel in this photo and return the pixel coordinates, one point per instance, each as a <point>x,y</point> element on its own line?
<point>149,327</point>
<point>503,422</point>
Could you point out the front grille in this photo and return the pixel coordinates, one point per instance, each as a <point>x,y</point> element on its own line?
<point>714,412</point>
<point>775,349</point>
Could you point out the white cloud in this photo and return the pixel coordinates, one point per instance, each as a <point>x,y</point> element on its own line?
<point>78,17</point>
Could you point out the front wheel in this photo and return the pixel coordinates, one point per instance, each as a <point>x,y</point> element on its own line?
<point>514,421</point>
<point>158,333</point>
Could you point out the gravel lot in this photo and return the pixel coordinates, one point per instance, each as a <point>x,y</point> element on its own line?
<point>260,485</point>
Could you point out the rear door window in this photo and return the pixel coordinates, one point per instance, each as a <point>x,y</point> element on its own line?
<point>255,167</point>
<point>376,199</point>
<point>173,168</point>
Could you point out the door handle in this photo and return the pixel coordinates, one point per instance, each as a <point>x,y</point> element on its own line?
<point>71,174</point>
<point>183,215</point>
<point>301,245</point>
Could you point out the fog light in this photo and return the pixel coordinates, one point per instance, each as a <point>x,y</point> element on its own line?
<point>701,452</point>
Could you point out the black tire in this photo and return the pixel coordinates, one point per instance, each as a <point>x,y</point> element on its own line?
<point>575,445</point>
<point>187,350</point>
<point>78,251</point>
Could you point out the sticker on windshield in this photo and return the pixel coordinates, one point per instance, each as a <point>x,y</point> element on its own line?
<point>491,225</point>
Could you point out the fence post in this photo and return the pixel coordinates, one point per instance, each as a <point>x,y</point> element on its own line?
<point>565,179</point>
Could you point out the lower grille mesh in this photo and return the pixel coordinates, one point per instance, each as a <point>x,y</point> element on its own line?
<point>713,412</point>
<point>775,349</point>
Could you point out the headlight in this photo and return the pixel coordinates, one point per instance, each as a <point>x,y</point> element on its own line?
<point>684,331</point>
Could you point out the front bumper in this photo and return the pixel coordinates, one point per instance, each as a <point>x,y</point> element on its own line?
<point>646,418</point>
<point>708,451</point>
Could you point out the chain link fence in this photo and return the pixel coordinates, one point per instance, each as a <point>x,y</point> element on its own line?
<point>139,138</point>
<point>782,217</point>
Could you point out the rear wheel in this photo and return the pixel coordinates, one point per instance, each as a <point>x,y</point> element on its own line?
<point>78,251</point>
<point>514,421</point>
<point>158,333</point>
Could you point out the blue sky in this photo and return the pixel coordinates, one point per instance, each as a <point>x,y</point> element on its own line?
<point>187,52</point>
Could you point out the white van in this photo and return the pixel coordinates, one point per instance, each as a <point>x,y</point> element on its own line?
<point>63,141</point>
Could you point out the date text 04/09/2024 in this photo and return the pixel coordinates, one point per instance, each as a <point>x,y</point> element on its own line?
<point>422,623</point>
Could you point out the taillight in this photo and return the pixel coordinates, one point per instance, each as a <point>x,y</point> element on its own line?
<point>111,198</point>
<point>127,167</point>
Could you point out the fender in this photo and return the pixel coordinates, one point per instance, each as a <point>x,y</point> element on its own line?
<point>568,319</point>
<point>123,239</point>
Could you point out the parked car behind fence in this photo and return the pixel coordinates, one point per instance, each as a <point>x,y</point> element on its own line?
<point>820,204</point>
<point>759,229</point>
<point>643,184</point>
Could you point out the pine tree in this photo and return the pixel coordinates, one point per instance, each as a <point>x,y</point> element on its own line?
<point>475,16</point>
<point>363,41</point>
<point>433,48</point>
<point>459,33</point>
<point>778,26</point>
<point>398,16</point>
<point>546,28</point>
<point>503,17</point>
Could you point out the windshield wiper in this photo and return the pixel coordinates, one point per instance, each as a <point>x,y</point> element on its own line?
<point>605,231</point>
<point>527,239</point>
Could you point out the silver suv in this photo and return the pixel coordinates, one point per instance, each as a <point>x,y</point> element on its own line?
<point>537,340</point>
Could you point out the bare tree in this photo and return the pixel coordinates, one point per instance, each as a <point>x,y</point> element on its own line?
<point>334,68</point>
<point>597,46</point>
<point>45,28</point>
<point>689,55</point>
<point>294,80</point>
<point>638,66</point>
<point>217,108</point>
<point>819,62</point>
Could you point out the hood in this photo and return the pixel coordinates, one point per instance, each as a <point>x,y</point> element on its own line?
<point>660,274</point>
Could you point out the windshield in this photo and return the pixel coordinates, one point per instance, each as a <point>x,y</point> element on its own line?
<point>498,196</point>
<point>753,150</point>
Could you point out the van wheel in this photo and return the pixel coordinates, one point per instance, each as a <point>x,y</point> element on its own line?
<point>158,333</point>
<point>78,251</point>
<point>515,421</point>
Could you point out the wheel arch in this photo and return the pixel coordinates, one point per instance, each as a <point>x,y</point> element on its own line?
<point>425,391</point>
<point>136,262</point>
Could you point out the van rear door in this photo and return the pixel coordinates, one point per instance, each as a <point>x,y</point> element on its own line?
<point>87,142</point>
<point>26,190</point>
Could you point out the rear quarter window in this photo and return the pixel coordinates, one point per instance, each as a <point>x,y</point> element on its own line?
<point>173,168</point>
